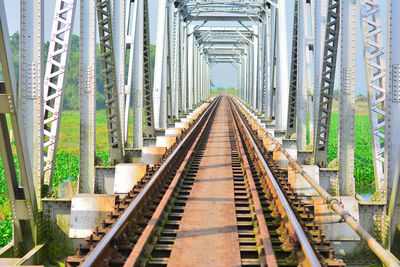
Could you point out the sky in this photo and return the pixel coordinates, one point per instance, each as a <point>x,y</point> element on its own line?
<point>222,74</point>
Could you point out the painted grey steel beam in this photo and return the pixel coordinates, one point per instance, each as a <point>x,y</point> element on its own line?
<point>118,19</point>
<point>222,18</point>
<point>392,118</point>
<point>320,12</point>
<point>347,97</point>
<point>115,140</point>
<point>255,67</point>
<point>302,85</point>
<point>25,228</point>
<point>54,82</point>
<point>30,108</point>
<point>160,75</point>
<point>223,29</point>
<point>138,81</point>
<point>376,76</point>
<point>149,130</point>
<point>282,85</point>
<point>269,43</point>
<point>130,26</point>
<point>175,88</point>
<point>292,106</point>
<point>327,83</point>
<point>190,68</point>
<point>183,69</point>
<point>87,96</point>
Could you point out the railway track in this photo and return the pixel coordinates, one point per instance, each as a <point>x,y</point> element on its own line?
<point>217,198</point>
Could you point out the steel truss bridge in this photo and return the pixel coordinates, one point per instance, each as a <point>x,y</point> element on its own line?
<point>290,207</point>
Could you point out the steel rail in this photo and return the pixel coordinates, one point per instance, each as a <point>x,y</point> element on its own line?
<point>122,221</point>
<point>303,240</point>
<point>385,256</point>
<point>263,228</point>
<point>146,234</point>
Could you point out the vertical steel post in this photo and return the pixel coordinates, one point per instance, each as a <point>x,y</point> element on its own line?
<point>301,105</point>
<point>22,199</point>
<point>320,13</point>
<point>87,96</point>
<point>176,56</point>
<point>376,76</point>
<point>327,82</point>
<point>292,106</point>
<point>282,85</point>
<point>149,131</point>
<point>392,129</point>
<point>347,97</point>
<point>118,19</point>
<point>261,65</point>
<point>30,108</point>
<point>138,82</point>
<point>255,67</point>
<point>110,90</point>
<point>183,69</point>
<point>160,79</point>
<point>190,68</point>
<point>130,26</point>
<point>268,63</point>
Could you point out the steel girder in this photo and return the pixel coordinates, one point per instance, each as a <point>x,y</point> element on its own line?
<point>392,118</point>
<point>160,69</point>
<point>118,20</point>
<point>26,233</point>
<point>327,82</point>
<point>291,120</point>
<point>302,83</point>
<point>376,81</point>
<point>109,76</point>
<point>30,108</point>
<point>54,83</point>
<point>320,13</point>
<point>282,83</point>
<point>347,97</point>
<point>130,28</point>
<point>87,97</point>
<point>147,86</point>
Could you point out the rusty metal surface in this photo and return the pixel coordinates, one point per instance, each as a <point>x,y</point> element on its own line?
<point>270,258</point>
<point>207,235</point>
<point>152,224</point>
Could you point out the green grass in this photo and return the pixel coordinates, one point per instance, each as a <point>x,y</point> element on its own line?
<point>363,162</point>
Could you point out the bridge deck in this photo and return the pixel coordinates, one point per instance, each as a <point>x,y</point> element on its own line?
<point>208,232</point>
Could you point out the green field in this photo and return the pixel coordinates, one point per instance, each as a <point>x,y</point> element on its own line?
<point>67,161</point>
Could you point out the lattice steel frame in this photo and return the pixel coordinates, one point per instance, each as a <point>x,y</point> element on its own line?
<point>327,83</point>
<point>54,82</point>
<point>291,118</point>
<point>109,77</point>
<point>376,82</point>
<point>147,85</point>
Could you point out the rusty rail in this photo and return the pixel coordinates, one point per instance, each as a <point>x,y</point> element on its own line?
<point>141,243</point>
<point>385,256</point>
<point>303,240</point>
<point>265,236</point>
<point>98,252</point>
